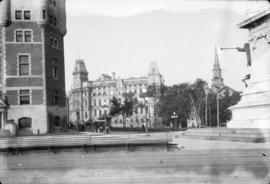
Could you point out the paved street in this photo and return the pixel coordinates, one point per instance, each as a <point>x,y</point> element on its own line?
<point>196,161</point>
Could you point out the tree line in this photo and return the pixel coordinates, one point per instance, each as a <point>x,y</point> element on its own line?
<point>183,99</point>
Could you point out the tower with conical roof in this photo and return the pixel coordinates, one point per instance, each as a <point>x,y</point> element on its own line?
<point>80,74</point>
<point>154,76</point>
<point>217,80</point>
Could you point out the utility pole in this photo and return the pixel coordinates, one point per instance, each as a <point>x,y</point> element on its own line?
<point>217,110</point>
<point>206,90</point>
<point>206,110</point>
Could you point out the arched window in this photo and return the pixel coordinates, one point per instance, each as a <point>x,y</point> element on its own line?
<point>25,122</point>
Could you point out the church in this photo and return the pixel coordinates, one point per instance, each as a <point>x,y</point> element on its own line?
<point>218,85</point>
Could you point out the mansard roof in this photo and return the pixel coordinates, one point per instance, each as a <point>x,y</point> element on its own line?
<point>153,68</point>
<point>80,67</point>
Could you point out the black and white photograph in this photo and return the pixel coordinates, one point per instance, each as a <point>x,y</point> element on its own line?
<point>134,91</point>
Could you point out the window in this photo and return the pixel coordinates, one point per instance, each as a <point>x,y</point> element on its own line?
<point>23,36</point>
<point>56,121</point>
<point>54,3</point>
<point>24,65</point>
<point>27,36</point>
<point>18,15</point>
<point>99,102</point>
<point>55,98</point>
<point>24,97</point>
<point>95,112</point>
<point>85,115</point>
<point>25,123</point>
<point>51,19</point>
<point>19,36</point>
<point>44,14</point>
<point>95,102</point>
<point>27,15</point>
<point>54,21</point>
<point>55,69</point>
<point>53,41</point>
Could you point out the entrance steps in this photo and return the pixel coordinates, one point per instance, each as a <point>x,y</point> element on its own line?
<point>242,135</point>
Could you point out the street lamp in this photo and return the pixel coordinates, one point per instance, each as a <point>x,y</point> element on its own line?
<point>174,116</point>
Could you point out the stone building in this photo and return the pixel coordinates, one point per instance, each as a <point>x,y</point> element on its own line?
<point>91,100</point>
<point>32,78</point>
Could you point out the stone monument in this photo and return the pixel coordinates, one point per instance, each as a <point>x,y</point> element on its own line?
<point>253,110</point>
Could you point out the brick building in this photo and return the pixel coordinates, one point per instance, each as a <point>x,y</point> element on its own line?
<point>91,100</point>
<point>32,79</point>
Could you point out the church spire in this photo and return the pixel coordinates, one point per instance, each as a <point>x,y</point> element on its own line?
<point>216,64</point>
<point>217,80</point>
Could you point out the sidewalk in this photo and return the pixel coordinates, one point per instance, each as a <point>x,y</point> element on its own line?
<point>198,144</point>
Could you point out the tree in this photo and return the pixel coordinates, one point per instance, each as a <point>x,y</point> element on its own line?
<point>175,99</point>
<point>115,108</point>
<point>197,97</point>
<point>181,99</point>
<point>126,109</point>
<point>226,100</point>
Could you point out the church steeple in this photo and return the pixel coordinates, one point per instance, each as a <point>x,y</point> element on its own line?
<point>217,81</point>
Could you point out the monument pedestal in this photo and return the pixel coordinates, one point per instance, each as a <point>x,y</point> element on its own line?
<point>253,110</point>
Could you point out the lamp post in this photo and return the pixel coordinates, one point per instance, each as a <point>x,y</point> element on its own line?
<point>174,116</point>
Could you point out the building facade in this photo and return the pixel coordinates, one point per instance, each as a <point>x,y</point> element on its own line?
<point>91,100</point>
<point>32,80</point>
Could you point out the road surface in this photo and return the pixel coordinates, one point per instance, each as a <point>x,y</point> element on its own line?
<point>248,164</point>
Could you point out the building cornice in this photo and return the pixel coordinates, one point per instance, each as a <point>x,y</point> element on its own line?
<point>246,23</point>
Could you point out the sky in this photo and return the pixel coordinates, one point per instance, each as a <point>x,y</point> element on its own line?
<point>125,36</point>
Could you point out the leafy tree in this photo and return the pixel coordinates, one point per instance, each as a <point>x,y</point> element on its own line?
<point>115,108</point>
<point>226,100</point>
<point>197,97</point>
<point>126,109</point>
<point>175,99</point>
